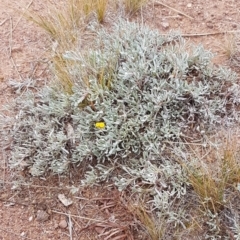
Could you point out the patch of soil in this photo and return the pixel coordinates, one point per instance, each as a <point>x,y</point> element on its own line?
<point>32,210</point>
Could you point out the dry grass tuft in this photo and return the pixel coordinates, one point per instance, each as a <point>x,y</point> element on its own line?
<point>208,189</point>
<point>132,6</point>
<point>211,186</point>
<point>63,25</point>
<point>66,26</point>
<point>230,168</point>
<point>101,6</point>
<point>61,73</point>
<point>229,46</point>
<point>154,229</point>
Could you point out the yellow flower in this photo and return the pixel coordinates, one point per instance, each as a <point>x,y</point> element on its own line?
<point>100,125</point>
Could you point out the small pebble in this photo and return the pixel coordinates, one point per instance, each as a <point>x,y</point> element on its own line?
<point>4,195</point>
<point>209,24</point>
<point>165,24</point>
<point>30,219</point>
<point>189,5</point>
<point>55,226</point>
<point>42,216</point>
<point>63,224</point>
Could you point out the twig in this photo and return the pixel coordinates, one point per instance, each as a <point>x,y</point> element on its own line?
<point>207,34</point>
<point>4,167</point>
<point>185,143</point>
<point>15,202</point>
<point>203,34</point>
<point>70,226</point>
<point>76,216</point>
<point>36,186</point>
<point>94,199</point>
<point>10,47</point>
<point>16,68</point>
<point>18,21</point>
<point>175,10</point>
<point>10,32</point>
<point>3,21</point>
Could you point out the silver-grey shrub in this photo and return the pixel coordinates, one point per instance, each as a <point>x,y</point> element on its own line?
<point>146,88</point>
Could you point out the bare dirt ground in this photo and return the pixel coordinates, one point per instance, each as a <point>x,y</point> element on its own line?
<point>33,210</point>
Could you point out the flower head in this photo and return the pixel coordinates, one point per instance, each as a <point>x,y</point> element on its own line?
<point>100,125</point>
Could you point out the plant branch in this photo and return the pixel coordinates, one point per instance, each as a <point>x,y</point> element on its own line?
<point>173,9</point>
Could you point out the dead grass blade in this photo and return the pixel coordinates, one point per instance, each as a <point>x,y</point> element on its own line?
<point>101,7</point>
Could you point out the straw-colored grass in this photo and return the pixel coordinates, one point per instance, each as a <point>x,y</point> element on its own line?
<point>132,6</point>
<point>229,45</point>
<point>155,229</point>
<point>210,187</point>
<point>65,26</point>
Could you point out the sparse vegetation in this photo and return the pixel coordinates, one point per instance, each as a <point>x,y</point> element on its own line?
<point>128,108</point>
<point>142,102</point>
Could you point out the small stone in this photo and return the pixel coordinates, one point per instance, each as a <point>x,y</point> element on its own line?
<point>99,230</point>
<point>165,25</point>
<point>63,224</point>
<point>42,216</point>
<point>189,5</point>
<point>65,201</point>
<point>30,219</point>
<point>23,234</point>
<point>55,226</point>
<point>209,25</point>
<point>4,196</point>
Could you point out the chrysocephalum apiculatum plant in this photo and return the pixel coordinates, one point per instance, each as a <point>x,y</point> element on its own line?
<point>133,94</point>
<point>133,91</point>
